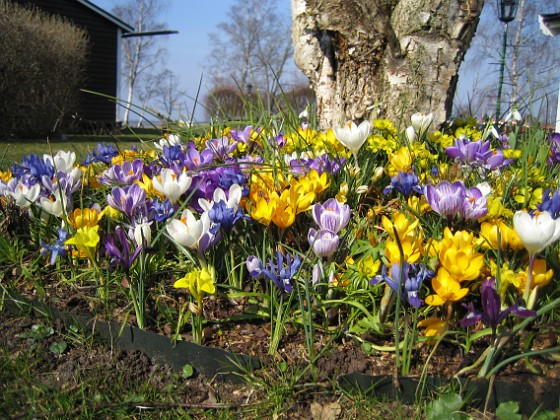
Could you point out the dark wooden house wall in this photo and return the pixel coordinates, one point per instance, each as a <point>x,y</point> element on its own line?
<point>101,71</point>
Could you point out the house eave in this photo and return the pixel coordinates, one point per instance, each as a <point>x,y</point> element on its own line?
<point>125,27</point>
<point>550,24</point>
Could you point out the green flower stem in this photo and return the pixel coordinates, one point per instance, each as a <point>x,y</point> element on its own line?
<point>529,281</point>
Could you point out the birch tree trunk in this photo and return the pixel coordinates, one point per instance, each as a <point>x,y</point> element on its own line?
<point>403,55</point>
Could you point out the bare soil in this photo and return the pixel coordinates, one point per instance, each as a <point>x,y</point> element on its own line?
<point>309,398</point>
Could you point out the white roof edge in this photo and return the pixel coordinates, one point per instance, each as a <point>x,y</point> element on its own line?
<point>550,24</point>
<point>124,26</point>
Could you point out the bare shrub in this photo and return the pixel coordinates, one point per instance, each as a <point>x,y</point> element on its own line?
<point>41,70</point>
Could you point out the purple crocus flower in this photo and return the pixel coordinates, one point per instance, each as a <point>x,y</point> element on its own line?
<point>475,204</point>
<point>323,242</point>
<point>404,182</point>
<point>224,216</point>
<point>33,169</point>
<point>162,210</point>
<point>492,314</point>
<point>467,152</point>
<point>554,154</point>
<point>331,215</point>
<point>550,203</point>
<point>127,199</point>
<point>195,159</point>
<point>104,153</point>
<point>57,248</point>
<point>405,280</point>
<point>445,198</point>
<point>124,174</point>
<point>242,136</point>
<point>254,266</point>
<point>477,153</point>
<point>281,271</point>
<point>117,248</point>
<point>221,148</point>
<point>322,163</point>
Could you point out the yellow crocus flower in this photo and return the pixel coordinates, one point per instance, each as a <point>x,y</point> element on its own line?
<point>86,217</point>
<point>446,289</point>
<point>541,276</point>
<point>458,255</point>
<point>85,240</point>
<point>199,283</point>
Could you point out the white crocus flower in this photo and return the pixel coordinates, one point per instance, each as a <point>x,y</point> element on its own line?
<point>187,230</point>
<point>23,195</point>
<point>353,136</point>
<point>171,185</point>
<point>62,161</point>
<point>55,206</point>
<point>421,121</point>
<point>235,194</point>
<point>484,188</point>
<point>170,140</point>
<point>410,134</point>
<point>142,233</point>
<point>536,232</point>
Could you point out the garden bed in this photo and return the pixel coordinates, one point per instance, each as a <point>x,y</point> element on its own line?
<point>278,269</point>
<point>232,352</point>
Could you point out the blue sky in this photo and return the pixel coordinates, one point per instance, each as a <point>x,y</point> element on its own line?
<point>187,50</point>
<point>195,19</point>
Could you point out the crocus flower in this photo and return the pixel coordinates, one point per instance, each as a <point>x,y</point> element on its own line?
<point>405,183</point>
<point>445,198</point>
<point>221,147</point>
<point>171,185</point>
<point>323,242</point>
<point>458,255</point>
<point>124,174</point>
<point>193,233</point>
<point>85,240</point>
<point>421,121</point>
<point>84,217</point>
<point>58,248</point>
<point>198,283</point>
<point>353,137</point>
<point>446,289</point>
<point>405,280</point>
<point>537,232</point>
<point>103,153</point>
<point>22,194</point>
<point>491,313</point>
<point>331,215</point>
<point>55,204</point>
<point>475,204</point>
<point>554,154</point>
<point>127,199</point>
<point>281,271</point>
<point>117,248</point>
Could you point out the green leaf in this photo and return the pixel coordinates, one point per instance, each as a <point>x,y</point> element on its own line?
<point>38,332</point>
<point>545,415</point>
<point>508,411</point>
<point>445,407</point>
<point>188,371</point>
<point>58,347</point>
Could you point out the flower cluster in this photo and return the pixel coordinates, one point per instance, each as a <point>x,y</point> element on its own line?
<point>425,217</point>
